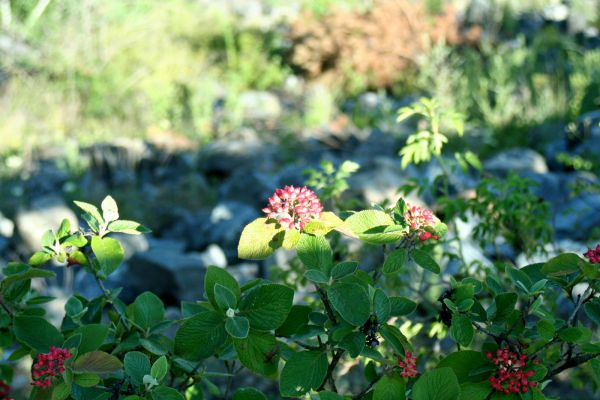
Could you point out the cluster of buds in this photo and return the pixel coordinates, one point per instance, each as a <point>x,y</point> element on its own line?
<point>593,255</point>
<point>49,365</point>
<point>510,376</point>
<point>418,219</point>
<point>370,329</point>
<point>4,391</point>
<point>293,207</point>
<point>408,365</point>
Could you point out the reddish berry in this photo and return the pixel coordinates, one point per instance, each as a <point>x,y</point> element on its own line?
<point>49,365</point>
<point>593,255</point>
<point>408,365</point>
<point>510,375</point>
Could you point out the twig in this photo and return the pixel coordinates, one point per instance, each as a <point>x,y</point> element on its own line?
<point>366,390</point>
<point>329,377</point>
<point>328,309</point>
<point>6,307</point>
<point>307,346</point>
<point>572,362</point>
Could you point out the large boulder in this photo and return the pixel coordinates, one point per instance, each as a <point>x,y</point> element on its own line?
<point>45,213</point>
<point>517,160</point>
<point>576,218</point>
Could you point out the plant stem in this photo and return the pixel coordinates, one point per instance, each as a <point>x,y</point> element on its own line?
<point>572,362</point>
<point>329,377</point>
<point>6,307</point>
<point>328,309</point>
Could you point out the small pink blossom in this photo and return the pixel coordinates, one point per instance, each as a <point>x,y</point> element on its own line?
<point>408,365</point>
<point>293,207</point>
<point>418,219</point>
<point>593,255</point>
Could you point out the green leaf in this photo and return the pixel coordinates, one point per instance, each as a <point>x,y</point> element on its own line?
<point>237,327</point>
<point>475,391</point>
<point>36,333</point>
<point>592,310</point>
<point>267,306</point>
<point>320,227</point>
<point>259,239</point>
<point>563,264</point>
<point>315,252</point>
<point>109,254</point>
<point>92,337</point>
<point>259,352</point>
<point>86,380</point>
<point>74,307</point>
<point>147,310</point>
<point>462,329</point>
<point>156,344</point>
<point>381,306</point>
<point>505,304</point>
<point>389,387</point>
<point>225,298</point>
<point>215,275</point>
<point>76,239</point>
<point>400,306</point>
<point>296,319</point>
<point>343,269</point>
<point>438,384</point>
<point>519,277</point>
<point>314,275</point>
<point>92,210</point>
<point>61,391</point>
<point>48,239</point>
<point>248,394</point>
<point>466,365</point>
<point>27,273</point>
<point>160,368</point>
<point>110,211</point>
<point>595,364</point>
<point>351,301</point>
<point>545,329</point>
<point>200,336</point>
<point>97,362</point>
<point>304,371</point>
<point>353,343</point>
<point>423,259</point>
<point>136,365</point>
<point>128,227</point>
<point>394,338</point>
<point>166,393</point>
<point>573,335</point>
<point>364,221</point>
<point>39,258</point>
<point>327,395</point>
<point>395,261</point>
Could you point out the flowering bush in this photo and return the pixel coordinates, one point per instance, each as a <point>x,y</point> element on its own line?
<point>510,340</point>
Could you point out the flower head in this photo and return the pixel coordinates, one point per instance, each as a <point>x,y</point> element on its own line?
<point>593,255</point>
<point>49,365</point>
<point>418,219</point>
<point>293,207</point>
<point>511,375</point>
<point>408,365</point>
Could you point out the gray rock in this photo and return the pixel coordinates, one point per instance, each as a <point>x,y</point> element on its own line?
<point>379,183</point>
<point>226,156</point>
<point>257,105</point>
<point>7,227</point>
<point>214,255</point>
<point>227,220</point>
<point>518,160</point>
<point>132,244</point>
<point>577,217</point>
<point>46,213</point>
<point>251,187</point>
<point>244,272</point>
<point>168,272</point>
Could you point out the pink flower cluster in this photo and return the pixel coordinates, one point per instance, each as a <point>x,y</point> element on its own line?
<point>417,219</point>
<point>408,365</point>
<point>510,375</point>
<point>4,391</point>
<point>49,365</point>
<point>293,207</point>
<point>593,255</point>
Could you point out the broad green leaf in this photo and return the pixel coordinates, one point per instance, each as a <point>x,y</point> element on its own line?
<point>259,352</point>
<point>327,395</point>
<point>86,380</point>
<point>395,261</point>
<point>519,277</point>
<point>156,344</point>
<point>97,362</point>
<point>136,365</point>
<point>128,227</point>
<point>546,329</point>
<point>237,327</point>
<point>327,222</point>
<point>462,329</point>
<point>160,368</point>
<point>147,310</point>
<point>109,254</point>
<point>380,235</point>
<point>36,333</point>
<point>389,387</point>
<point>225,298</point>
<point>304,371</point>
<point>296,319</point>
<point>315,275</point>
<point>110,211</point>
<point>61,391</point>
<point>351,301</point>
<point>259,239</point>
<point>423,259</point>
<point>505,304</point>
<point>475,391</point>
<point>248,394</point>
<point>218,275</point>
<point>400,306</point>
<point>267,306</point>
<point>200,336</point>
<point>27,273</point>
<point>166,393</point>
<point>592,310</point>
<point>74,307</point>
<point>381,306</point>
<point>595,364</point>
<point>394,338</point>
<point>39,258</point>
<point>343,269</point>
<point>466,365</point>
<point>363,221</point>
<point>92,337</point>
<point>353,343</point>
<point>573,335</point>
<point>437,384</point>
<point>48,239</point>
<point>563,264</point>
<point>315,252</point>
<point>90,209</point>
